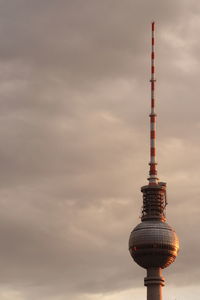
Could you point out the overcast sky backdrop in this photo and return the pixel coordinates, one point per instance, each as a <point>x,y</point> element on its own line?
<point>74,150</point>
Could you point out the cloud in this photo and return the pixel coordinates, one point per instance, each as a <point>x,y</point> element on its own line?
<point>74,98</point>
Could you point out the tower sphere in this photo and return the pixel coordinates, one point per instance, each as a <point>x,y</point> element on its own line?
<point>153,244</point>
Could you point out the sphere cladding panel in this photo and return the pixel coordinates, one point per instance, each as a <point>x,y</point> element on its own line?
<point>153,244</point>
<point>154,232</point>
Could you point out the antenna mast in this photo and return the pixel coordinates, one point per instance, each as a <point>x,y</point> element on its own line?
<point>153,171</point>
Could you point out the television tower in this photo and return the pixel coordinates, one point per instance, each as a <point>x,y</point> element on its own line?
<point>153,244</point>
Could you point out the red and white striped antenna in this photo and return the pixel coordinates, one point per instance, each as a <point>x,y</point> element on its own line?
<point>153,170</point>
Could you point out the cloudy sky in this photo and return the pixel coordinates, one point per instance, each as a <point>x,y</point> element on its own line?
<point>74,151</point>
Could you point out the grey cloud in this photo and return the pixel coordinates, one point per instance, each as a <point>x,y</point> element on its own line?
<point>74,141</point>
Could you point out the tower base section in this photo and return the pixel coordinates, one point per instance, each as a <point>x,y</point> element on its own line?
<point>154,283</point>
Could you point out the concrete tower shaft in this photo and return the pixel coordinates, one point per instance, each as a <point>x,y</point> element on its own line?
<point>153,244</point>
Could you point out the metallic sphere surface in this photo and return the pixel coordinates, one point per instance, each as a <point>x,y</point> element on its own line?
<point>153,243</point>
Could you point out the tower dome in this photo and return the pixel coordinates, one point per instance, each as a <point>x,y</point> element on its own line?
<point>153,244</point>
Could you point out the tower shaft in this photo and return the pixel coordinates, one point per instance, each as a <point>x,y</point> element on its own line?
<point>154,283</point>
